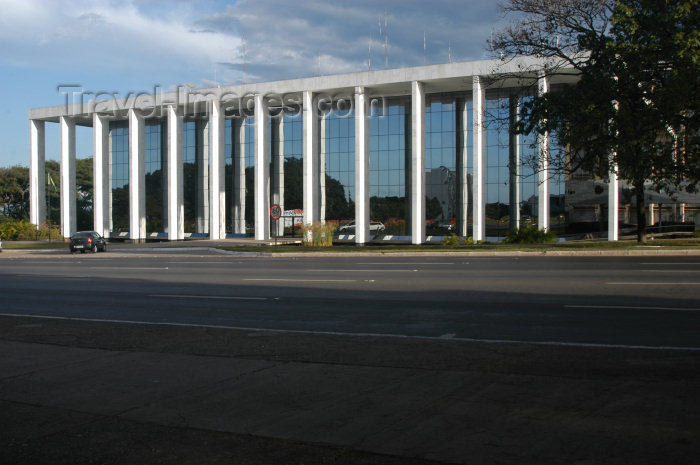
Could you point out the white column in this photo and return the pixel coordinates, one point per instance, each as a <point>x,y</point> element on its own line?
<point>278,164</point>
<point>323,150</point>
<point>262,169</point>
<point>217,187</point>
<point>479,158</point>
<point>238,184</point>
<point>137,177</point>
<point>463,170</point>
<point>417,163</point>
<point>361,167</point>
<point>100,170</point>
<point>176,209</point>
<point>613,205</point>
<point>203,186</point>
<point>311,187</point>
<point>68,191</point>
<point>37,172</point>
<point>543,175</point>
<point>514,164</point>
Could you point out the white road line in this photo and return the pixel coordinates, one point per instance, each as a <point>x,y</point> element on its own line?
<point>115,268</point>
<point>671,271</point>
<point>651,284</point>
<point>362,271</point>
<point>303,280</point>
<point>670,263</point>
<point>626,307</point>
<point>397,336</point>
<point>403,263</point>
<point>222,297</point>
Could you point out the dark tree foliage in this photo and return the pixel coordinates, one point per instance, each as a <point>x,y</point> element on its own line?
<point>635,108</point>
<point>293,177</point>
<point>14,192</point>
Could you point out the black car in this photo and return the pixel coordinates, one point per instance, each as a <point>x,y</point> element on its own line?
<point>87,240</point>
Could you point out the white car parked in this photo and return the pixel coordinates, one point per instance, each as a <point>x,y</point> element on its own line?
<point>375,227</point>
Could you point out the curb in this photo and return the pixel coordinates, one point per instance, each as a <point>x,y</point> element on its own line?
<point>650,252</point>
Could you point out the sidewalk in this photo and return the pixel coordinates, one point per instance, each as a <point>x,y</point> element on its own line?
<point>79,392</point>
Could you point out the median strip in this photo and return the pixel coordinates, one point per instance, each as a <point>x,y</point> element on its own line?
<point>629,307</point>
<point>221,297</point>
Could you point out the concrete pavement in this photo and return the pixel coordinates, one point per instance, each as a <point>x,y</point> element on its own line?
<point>167,394</point>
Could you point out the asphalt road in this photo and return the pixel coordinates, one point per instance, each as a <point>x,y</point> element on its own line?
<point>618,301</point>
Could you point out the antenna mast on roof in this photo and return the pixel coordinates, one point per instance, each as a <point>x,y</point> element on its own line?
<point>369,53</point>
<point>425,50</point>
<point>243,44</point>
<point>386,41</point>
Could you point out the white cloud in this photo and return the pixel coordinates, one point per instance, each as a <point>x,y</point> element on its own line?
<point>105,35</point>
<point>284,38</point>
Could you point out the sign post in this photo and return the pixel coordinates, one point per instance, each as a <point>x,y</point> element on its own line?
<point>275,214</point>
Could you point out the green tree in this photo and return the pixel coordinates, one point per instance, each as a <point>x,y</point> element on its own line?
<point>14,192</point>
<point>634,108</point>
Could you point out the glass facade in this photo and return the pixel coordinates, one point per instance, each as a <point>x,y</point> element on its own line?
<point>557,192</point>
<point>156,181</point>
<point>497,186</point>
<point>338,150</point>
<point>445,133</point>
<point>119,175</point>
<point>248,153</point>
<point>195,174</point>
<point>293,160</point>
<point>577,202</point>
<point>390,155</point>
<point>239,182</point>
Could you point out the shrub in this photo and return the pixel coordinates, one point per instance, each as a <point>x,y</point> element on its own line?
<point>454,239</point>
<point>530,235</point>
<point>697,233</point>
<point>317,234</point>
<point>22,230</point>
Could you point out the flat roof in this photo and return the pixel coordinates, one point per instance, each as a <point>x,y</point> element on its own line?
<point>504,76</point>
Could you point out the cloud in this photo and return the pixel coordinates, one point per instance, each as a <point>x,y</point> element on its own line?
<point>283,39</point>
<point>105,35</point>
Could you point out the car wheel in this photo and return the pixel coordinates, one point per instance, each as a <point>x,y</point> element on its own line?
<point>94,248</point>
<point>104,248</point>
<point>82,251</point>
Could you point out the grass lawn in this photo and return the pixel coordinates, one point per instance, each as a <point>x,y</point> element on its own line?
<point>490,247</point>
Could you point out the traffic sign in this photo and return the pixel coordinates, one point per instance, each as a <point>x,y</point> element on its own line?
<point>276,212</point>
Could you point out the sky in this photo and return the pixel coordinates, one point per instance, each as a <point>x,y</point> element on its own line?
<point>122,46</point>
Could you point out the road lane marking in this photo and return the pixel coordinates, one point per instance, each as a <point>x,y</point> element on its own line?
<point>670,271</point>
<point>652,284</point>
<point>127,267</point>
<point>335,333</point>
<point>670,263</point>
<point>222,297</point>
<point>362,271</point>
<point>404,263</point>
<point>303,280</point>
<point>630,307</point>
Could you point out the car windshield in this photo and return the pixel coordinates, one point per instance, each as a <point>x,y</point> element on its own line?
<point>82,234</point>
